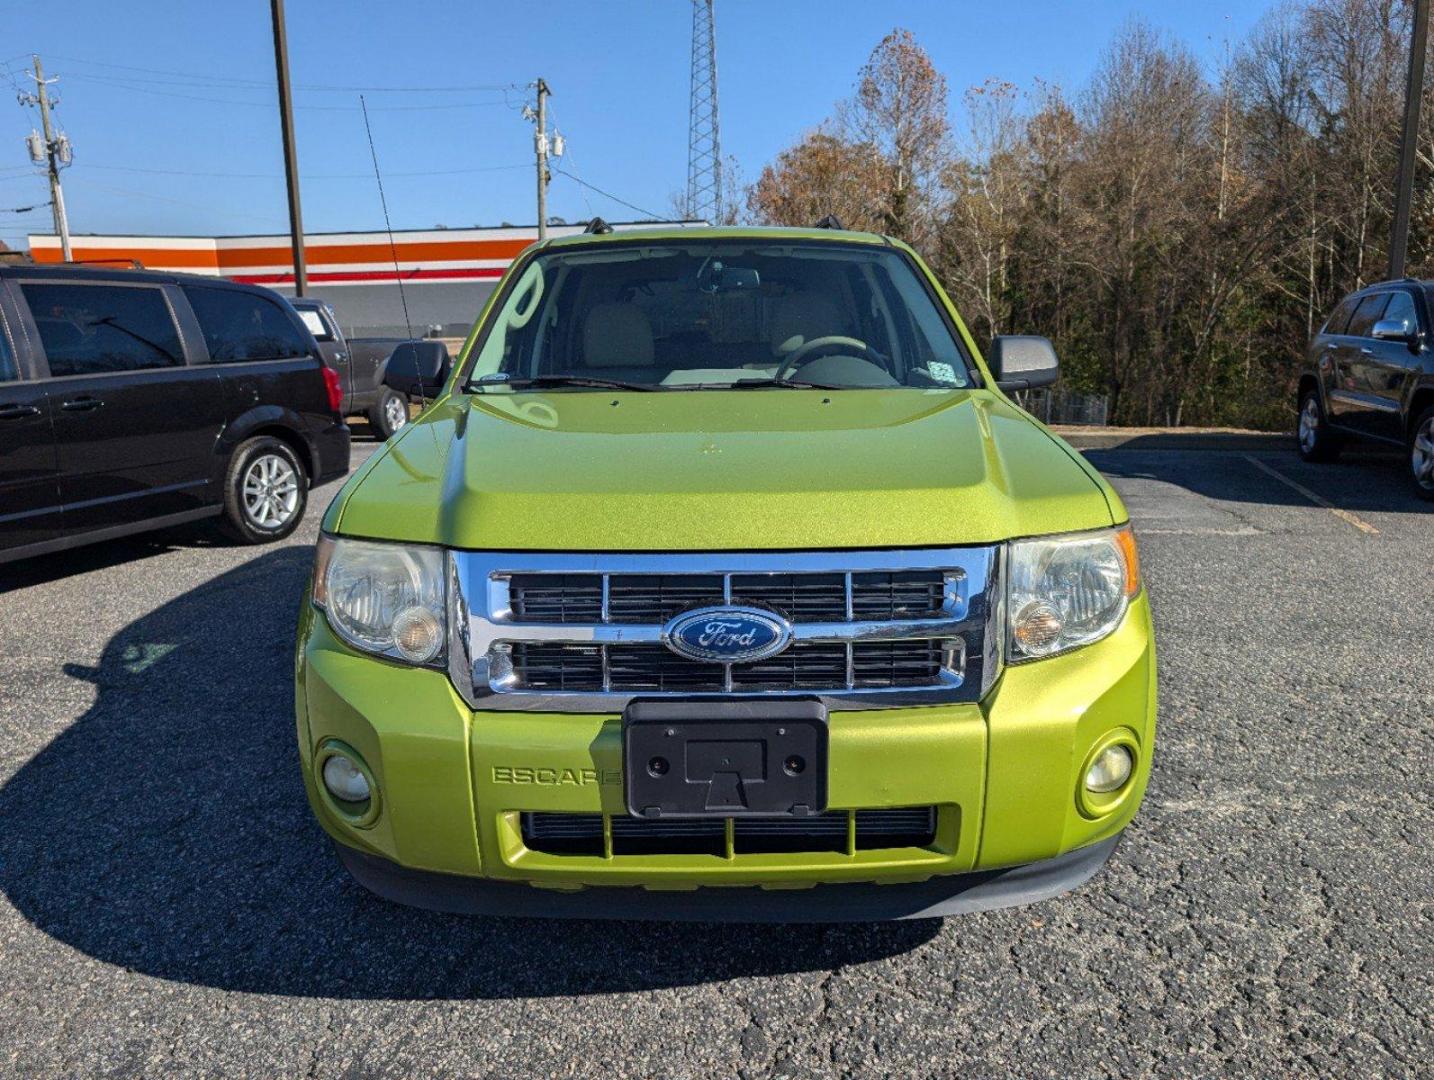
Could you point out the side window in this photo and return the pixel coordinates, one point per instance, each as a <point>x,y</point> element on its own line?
<point>8,371</point>
<point>1336,323</point>
<point>95,329</point>
<point>1401,309</point>
<point>1367,314</point>
<point>240,326</point>
<point>315,323</point>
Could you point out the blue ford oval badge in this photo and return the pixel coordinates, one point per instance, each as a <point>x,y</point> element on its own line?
<point>727,635</point>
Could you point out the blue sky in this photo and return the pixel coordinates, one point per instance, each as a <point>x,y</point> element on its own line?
<point>170,105</point>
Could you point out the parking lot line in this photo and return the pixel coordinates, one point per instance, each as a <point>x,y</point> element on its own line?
<point>1318,500</point>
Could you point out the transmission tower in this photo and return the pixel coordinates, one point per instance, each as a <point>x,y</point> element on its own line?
<point>704,134</point>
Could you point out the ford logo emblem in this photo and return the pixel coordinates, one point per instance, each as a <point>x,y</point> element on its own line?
<point>727,635</point>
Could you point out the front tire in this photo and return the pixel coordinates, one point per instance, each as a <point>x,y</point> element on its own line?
<point>1421,454</point>
<point>389,413</point>
<point>1316,441</point>
<point>266,490</point>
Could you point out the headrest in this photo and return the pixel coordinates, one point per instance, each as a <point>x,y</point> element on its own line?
<point>617,335</point>
<point>802,317</point>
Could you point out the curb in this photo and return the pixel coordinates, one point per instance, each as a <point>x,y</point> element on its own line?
<point>1094,438</point>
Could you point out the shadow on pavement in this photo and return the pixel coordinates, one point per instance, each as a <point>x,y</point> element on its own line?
<point>1362,480</point>
<point>128,549</point>
<point>166,831</point>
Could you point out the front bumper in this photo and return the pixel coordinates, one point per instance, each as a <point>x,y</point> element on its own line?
<point>1003,775</point>
<point>949,894</point>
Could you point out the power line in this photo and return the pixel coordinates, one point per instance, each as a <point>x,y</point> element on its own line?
<point>135,88</point>
<point>307,176</point>
<point>25,209</point>
<point>607,194</point>
<point>212,80</point>
<point>387,224</point>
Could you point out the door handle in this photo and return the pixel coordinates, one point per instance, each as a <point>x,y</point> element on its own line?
<point>1367,351</point>
<point>340,357</point>
<point>82,404</point>
<point>17,411</point>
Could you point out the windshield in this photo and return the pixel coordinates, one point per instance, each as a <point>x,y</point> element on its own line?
<point>718,315</point>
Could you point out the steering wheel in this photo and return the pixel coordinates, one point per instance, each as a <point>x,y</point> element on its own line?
<point>824,346</point>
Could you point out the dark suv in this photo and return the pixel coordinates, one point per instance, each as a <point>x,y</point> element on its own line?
<point>132,400</point>
<point>1373,377</point>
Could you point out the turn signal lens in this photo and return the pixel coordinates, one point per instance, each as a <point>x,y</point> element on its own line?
<point>1110,771</point>
<point>1037,628</point>
<point>1125,540</point>
<point>417,635</point>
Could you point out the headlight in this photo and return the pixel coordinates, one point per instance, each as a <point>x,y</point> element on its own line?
<point>1066,591</point>
<point>386,599</point>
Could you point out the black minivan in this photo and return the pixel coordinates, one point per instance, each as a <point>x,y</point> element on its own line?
<point>134,400</point>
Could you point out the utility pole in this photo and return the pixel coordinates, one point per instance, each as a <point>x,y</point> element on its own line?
<point>540,141</point>
<point>1404,189</point>
<point>54,148</point>
<point>291,157</point>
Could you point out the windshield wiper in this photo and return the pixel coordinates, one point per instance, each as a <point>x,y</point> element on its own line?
<point>546,382</point>
<point>785,384</point>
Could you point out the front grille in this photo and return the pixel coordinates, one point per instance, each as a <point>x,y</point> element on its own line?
<point>586,631</point>
<point>656,598</point>
<point>805,665</point>
<point>835,831</point>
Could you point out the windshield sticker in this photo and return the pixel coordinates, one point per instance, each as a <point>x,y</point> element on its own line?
<point>941,372</point>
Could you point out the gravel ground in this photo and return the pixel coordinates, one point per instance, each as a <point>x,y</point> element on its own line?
<point>167,907</point>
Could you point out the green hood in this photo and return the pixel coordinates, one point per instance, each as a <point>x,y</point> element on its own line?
<point>723,470</point>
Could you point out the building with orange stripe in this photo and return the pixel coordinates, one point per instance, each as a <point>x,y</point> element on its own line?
<point>447,274</point>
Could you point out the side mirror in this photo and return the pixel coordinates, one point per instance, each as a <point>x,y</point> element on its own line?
<point>1393,330</point>
<point>418,367</point>
<point>1023,361</point>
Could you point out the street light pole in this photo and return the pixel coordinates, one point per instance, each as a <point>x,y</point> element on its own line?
<point>1404,190</point>
<point>291,158</point>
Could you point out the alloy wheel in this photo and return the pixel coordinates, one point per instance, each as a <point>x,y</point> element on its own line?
<point>395,412</point>
<point>270,491</point>
<point>1309,425</point>
<point>1422,455</point>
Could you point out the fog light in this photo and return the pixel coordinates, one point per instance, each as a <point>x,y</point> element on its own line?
<point>1110,770</point>
<point>417,635</point>
<point>345,780</point>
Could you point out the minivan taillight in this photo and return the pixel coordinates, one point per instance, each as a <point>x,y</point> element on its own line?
<point>334,387</point>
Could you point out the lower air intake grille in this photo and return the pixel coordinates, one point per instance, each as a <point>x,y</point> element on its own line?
<point>805,665</point>
<point>582,834</point>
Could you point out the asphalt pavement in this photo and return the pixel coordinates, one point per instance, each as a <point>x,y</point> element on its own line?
<point>168,907</point>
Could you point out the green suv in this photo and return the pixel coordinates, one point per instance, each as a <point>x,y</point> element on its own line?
<point>724,560</point>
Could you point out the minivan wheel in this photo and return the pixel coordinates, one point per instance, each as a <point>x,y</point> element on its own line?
<point>1421,454</point>
<point>265,491</point>
<point>389,413</point>
<point>1317,442</point>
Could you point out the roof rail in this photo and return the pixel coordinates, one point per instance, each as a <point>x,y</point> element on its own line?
<point>597,227</point>
<point>831,221</point>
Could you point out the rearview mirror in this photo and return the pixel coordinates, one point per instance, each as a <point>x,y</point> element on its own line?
<point>1023,361</point>
<point>716,277</point>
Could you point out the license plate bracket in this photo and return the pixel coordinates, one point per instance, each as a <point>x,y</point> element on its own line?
<point>697,759</point>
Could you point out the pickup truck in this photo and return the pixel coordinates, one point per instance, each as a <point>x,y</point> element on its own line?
<point>361,364</point>
<point>724,581</point>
